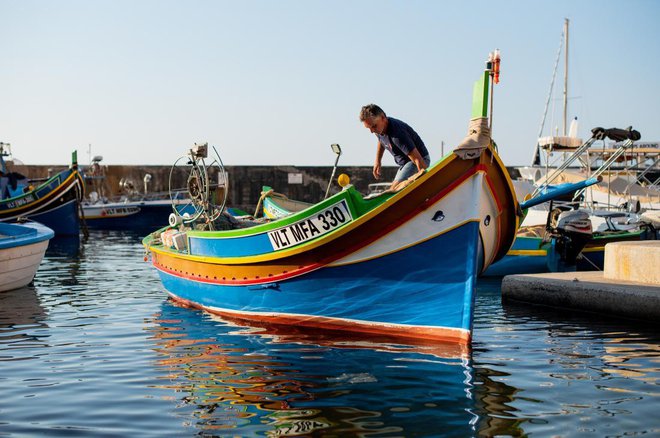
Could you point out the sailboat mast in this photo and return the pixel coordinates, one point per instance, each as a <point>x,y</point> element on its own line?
<point>565,74</point>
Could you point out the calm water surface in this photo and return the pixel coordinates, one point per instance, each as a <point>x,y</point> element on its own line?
<point>96,349</point>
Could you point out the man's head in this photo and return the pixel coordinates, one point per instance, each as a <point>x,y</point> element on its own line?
<point>373,118</point>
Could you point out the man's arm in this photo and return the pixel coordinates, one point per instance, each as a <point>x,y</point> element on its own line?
<point>416,158</point>
<point>379,157</point>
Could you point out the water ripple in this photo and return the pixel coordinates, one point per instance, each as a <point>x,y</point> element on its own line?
<point>94,348</point>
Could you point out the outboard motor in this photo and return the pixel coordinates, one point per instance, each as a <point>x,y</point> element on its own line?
<point>571,231</point>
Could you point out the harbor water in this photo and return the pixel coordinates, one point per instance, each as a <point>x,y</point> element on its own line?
<point>96,349</point>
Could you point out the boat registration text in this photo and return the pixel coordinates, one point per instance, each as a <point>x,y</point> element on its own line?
<point>311,227</point>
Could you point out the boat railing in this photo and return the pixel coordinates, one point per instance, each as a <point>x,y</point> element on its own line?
<point>559,170</point>
<point>606,165</point>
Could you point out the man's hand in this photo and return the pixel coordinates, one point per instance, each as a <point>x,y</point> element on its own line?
<point>376,170</point>
<point>396,186</point>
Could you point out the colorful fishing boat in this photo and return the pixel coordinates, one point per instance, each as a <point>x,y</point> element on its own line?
<point>401,264</point>
<point>53,202</point>
<point>22,247</point>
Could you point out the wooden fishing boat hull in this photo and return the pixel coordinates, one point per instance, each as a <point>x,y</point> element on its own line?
<point>53,203</point>
<point>22,247</point>
<point>389,295</point>
<point>406,268</point>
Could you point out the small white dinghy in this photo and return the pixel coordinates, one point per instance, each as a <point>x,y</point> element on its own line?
<point>22,247</point>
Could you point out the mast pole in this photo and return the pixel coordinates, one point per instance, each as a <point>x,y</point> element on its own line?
<point>565,75</point>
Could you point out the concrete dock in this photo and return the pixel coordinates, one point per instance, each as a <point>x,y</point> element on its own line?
<point>629,286</point>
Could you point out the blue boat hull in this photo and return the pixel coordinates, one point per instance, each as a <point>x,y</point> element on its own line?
<point>146,217</point>
<point>401,288</point>
<point>54,204</point>
<point>524,257</point>
<point>62,219</point>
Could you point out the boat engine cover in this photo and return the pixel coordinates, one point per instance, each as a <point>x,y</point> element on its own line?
<point>575,221</point>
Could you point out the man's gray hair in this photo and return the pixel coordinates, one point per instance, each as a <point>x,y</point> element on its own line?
<point>371,110</point>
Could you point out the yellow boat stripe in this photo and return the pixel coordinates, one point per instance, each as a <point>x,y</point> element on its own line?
<point>527,252</point>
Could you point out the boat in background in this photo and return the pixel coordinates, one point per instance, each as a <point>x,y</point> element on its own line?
<point>586,220</point>
<point>22,247</point>
<point>132,210</point>
<point>276,205</point>
<point>571,235</point>
<point>52,201</point>
<point>138,214</point>
<point>630,168</point>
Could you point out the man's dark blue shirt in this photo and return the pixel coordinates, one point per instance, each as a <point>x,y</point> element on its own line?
<point>400,139</point>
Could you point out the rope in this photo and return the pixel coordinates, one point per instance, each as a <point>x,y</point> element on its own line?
<point>261,198</point>
<point>583,257</point>
<point>81,211</point>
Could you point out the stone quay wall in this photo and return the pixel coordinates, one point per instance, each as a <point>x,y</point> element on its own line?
<point>301,183</point>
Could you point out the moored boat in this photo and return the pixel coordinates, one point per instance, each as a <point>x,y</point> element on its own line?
<point>400,264</point>
<point>53,202</point>
<point>138,215</point>
<point>132,210</point>
<point>404,264</point>
<point>22,247</point>
<point>537,240</point>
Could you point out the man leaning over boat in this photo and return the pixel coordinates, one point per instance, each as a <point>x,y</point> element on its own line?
<point>401,140</point>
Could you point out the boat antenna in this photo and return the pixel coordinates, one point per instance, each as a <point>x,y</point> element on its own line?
<point>337,150</point>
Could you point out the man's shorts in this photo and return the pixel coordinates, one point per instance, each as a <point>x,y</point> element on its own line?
<point>409,169</point>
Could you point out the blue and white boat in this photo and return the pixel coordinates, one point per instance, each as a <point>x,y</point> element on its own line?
<point>136,215</point>
<point>22,247</point>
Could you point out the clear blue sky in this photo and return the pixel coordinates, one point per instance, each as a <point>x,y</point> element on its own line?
<point>276,82</point>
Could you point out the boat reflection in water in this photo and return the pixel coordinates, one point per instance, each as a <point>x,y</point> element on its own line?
<point>21,313</point>
<point>258,381</point>
<point>64,247</point>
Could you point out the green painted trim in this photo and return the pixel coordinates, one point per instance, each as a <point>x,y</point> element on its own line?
<point>613,235</point>
<point>480,96</point>
<point>350,195</point>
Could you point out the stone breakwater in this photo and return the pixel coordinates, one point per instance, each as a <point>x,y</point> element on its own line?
<point>303,183</point>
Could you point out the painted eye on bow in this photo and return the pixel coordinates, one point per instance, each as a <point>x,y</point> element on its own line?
<point>438,216</point>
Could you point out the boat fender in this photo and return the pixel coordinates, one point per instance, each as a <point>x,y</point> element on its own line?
<point>174,220</point>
